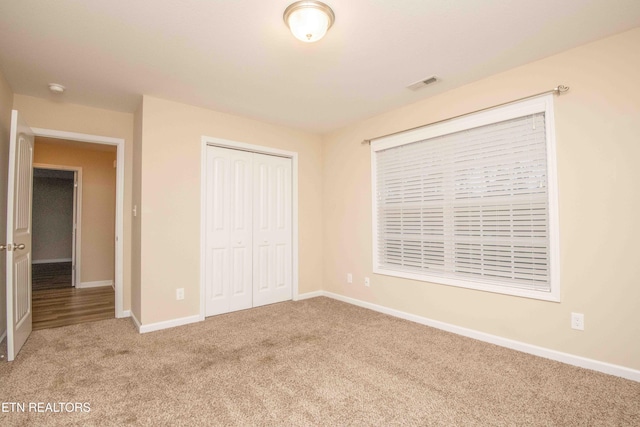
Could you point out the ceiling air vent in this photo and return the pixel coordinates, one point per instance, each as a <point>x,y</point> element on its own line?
<point>422,83</point>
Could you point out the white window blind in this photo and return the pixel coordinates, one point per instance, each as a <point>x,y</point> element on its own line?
<point>468,207</point>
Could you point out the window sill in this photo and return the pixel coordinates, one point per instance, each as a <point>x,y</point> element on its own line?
<point>551,296</point>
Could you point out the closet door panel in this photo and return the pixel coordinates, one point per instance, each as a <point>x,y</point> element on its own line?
<point>241,231</point>
<point>229,224</point>
<point>272,229</point>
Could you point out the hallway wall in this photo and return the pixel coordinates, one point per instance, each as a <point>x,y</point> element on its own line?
<point>52,219</point>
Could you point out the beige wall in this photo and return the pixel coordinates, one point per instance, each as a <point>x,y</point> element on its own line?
<point>49,114</point>
<point>6,103</point>
<point>52,219</point>
<point>598,146</point>
<point>98,201</point>
<point>170,200</point>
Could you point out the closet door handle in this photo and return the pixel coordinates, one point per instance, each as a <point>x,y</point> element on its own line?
<point>18,247</point>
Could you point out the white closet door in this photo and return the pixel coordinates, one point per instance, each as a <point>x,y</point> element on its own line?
<point>271,229</point>
<point>229,231</point>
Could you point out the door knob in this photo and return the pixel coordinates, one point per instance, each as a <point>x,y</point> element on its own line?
<point>17,247</point>
<point>3,247</point>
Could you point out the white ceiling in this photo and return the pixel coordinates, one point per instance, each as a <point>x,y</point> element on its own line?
<point>238,56</point>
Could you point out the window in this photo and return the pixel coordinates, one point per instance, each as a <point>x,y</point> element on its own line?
<point>471,202</point>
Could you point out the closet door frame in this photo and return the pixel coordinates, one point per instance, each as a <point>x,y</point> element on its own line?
<point>224,143</point>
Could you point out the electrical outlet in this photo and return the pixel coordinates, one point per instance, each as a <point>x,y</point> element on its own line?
<point>577,321</point>
<point>349,278</point>
<point>180,294</point>
<point>367,282</point>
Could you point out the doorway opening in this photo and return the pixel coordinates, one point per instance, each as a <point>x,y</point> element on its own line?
<point>74,274</point>
<point>56,221</point>
<point>118,143</point>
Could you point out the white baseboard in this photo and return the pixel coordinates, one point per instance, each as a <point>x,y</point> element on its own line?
<point>50,261</point>
<point>308,295</point>
<point>571,359</point>
<point>97,284</point>
<point>125,313</point>
<point>151,327</point>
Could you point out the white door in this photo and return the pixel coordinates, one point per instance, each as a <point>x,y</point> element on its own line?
<point>229,231</point>
<point>271,229</point>
<point>248,230</point>
<point>18,245</point>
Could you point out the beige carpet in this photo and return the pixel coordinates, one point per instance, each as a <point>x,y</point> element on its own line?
<point>314,362</point>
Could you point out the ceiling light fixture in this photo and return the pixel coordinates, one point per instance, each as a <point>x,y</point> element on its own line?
<point>309,20</point>
<point>56,88</point>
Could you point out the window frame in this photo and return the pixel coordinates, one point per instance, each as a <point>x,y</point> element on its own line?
<point>541,104</point>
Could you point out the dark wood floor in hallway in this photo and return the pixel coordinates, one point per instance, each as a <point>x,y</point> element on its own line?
<point>55,275</point>
<point>53,308</point>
